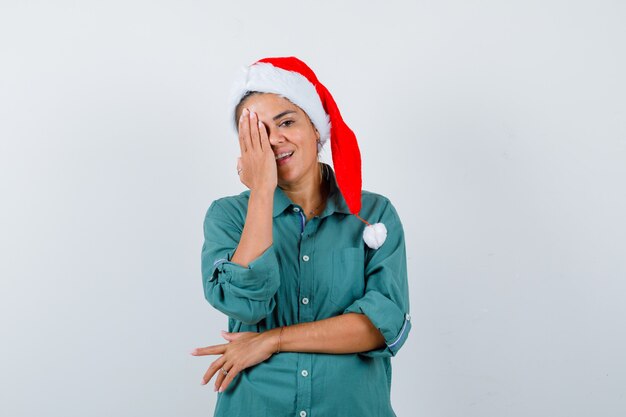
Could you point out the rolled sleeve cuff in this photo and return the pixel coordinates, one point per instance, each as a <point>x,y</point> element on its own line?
<point>259,281</point>
<point>386,316</point>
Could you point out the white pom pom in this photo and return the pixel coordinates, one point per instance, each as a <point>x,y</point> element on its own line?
<point>374,235</point>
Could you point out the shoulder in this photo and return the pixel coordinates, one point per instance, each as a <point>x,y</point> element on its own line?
<point>229,208</point>
<point>378,207</point>
<point>371,198</point>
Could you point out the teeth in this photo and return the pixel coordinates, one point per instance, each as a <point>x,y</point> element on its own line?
<point>282,155</point>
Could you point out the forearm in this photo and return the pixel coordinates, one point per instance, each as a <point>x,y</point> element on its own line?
<point>346,333</point>
<point>256,236</point>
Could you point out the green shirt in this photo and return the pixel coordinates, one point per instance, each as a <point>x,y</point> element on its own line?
<point>313,270</point>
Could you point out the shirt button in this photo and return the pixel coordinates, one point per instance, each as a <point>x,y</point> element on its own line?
<point>305,300</point>
<point>302,413</point>
<point>305,258</point>
<point>305,372</point>
<point>296,209</point>
<point>408,317</point>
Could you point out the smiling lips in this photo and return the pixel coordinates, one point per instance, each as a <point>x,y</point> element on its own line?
<point>281,158</point>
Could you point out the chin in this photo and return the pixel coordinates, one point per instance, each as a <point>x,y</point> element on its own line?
<point>284,180</point>
<point>287,177</point>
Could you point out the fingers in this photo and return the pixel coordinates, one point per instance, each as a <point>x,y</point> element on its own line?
<point>254,131</point>
<point>232,373</point>
<point>222,380</point>
<point>209,350</point>
<point>216,366</point>
<point>265,140</point>
<point>220,377</point>
<point>244,131</point>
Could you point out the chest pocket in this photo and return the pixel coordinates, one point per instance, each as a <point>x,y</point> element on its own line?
<point>348,276</point>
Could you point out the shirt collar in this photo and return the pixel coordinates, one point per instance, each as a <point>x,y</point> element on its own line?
<point>335,204</point>
<point>281,201</point>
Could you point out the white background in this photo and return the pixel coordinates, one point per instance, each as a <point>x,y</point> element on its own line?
<point>497,129</point>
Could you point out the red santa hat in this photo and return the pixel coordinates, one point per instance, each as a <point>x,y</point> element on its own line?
<point>294,80</point>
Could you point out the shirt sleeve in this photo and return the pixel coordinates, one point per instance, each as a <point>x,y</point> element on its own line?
<point>386,298</point>
<point>244,294</point>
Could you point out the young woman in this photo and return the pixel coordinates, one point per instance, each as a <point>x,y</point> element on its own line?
<point>316,297</point>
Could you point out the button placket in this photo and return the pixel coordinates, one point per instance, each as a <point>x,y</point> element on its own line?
<point>305,312</point>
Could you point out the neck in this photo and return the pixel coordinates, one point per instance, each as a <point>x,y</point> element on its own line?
<point>310,193</point>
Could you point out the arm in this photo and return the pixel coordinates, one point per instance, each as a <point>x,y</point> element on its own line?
<point>239,267</point>
<point>347,333</point>
<point>258,172</point>
<point>257,231</point>
<point>386,298</point>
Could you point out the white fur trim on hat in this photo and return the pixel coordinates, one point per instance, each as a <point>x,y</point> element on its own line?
<point>266,78</point>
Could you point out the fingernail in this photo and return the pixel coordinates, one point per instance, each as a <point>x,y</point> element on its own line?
<point>221,389</point>
<point>202,382</point>
<point>193,352</point>
<point>252,115</point>
<point>214,389</point>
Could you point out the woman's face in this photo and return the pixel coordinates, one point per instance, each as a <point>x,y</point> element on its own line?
<point>290,131</point>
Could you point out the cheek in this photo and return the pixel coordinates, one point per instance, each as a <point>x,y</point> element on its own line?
<point>308,146</point>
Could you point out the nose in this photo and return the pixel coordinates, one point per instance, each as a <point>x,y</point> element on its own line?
<point>275,137</point>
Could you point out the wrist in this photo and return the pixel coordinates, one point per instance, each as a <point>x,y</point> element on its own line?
<point>263,192</point>
<point>273,339</point>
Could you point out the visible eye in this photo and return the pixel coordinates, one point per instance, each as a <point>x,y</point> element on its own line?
<point>286,123</point>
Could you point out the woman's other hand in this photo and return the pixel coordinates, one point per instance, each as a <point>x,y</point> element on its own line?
<point>245,349</point>
<point>257,164</point>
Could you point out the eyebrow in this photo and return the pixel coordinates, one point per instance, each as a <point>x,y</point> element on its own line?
<point>278,116</point>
